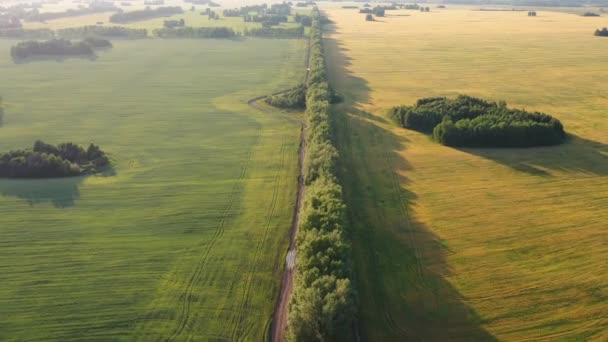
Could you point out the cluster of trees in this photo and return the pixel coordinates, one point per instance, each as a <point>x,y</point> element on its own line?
<point>275,32</point>
<point>93,8</point>
<point>280,9</point>
<point>174,23</point>
<point>304,20</point>
<point>590,14</point>
<point>45,161</point>
<point>97,43</point>
<point>154,2</point>
<point>53,47</point>
<point>147,13</point>
<point>322,305</point>
<point>473,122</point>
<point>102,31</point>
<point>532,14</point>
<point>425,9</point>
<point>195,32</point>
<point>211,15</point>
<point>293,99</point>
<point>245,10</point>
<point>369,17</point>
<point>197,2</point>
<point>267,20</point>
<point>305,4</point>
<point>602,33</point>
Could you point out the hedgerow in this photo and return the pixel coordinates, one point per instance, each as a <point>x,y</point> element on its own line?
<point>322,306</point>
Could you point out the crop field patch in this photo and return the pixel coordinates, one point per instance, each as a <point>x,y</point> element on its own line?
<point>476,244</point>
<point>186,240</point>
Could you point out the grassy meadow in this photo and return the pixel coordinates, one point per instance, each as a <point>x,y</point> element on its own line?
<point>185,239</point>
<point>475,244</point>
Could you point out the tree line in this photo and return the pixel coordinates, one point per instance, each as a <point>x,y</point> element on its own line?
<point>471,122</point>
<point>602,33</point>
<point>102,31</point>
<point>322,305</point>
<point>21,33</point>
<point>195,32</point>
<point>46,161</point>
<point>147,13</point>
<point>93,8</point>
<point>275,32</point>
<point>293,99</point>
<point>1,111</point>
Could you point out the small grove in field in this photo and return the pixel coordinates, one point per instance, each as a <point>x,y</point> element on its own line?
<point>148,13</point>
<point>102,31</point>
<point>602,33</point>
<point>473,122</point>
<point>58,47</point>
<point>46,161</point>
<point>322,306</point>
<point>292,99</point>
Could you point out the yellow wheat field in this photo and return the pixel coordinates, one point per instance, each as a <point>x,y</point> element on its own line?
<point>475,244</point>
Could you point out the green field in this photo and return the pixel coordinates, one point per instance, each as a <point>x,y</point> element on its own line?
<point>186,240</point>
<point>474,244</point>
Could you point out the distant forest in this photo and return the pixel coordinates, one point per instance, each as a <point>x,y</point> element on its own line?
<point>47,161</point>
<point>471,122</point>
<point>539,3</point>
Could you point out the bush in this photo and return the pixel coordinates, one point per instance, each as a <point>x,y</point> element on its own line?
<point>473,122</point>
<point>322,306</point>
<point>293,99</point>
<point>602,33</point>
<point>369,17</point>
<point>46,161</point>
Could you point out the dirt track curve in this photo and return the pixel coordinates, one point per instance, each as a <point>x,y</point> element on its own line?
<point>279,320</point>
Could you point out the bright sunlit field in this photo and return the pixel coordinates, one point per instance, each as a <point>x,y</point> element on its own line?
<point>475,244</point>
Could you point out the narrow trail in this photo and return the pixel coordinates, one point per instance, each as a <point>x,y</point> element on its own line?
<point>279,320</point>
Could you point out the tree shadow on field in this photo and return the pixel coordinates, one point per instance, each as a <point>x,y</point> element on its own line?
<point>400,265</point>
<point>575,155</point>
<point>61,192</point>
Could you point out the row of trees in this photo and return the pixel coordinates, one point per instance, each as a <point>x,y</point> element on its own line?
<point>473,122</point>
<point>275,32</point>
<point>602,33</point>
<point>53,47</point>
<point>532,14</point>
<point>20,33</point>
<point>195,32</point>
<point>35,15</point>
<point>322,305</point>
<point>45,161</point>
<point>103,31</point>
<point>293,99</point>
<point>147,13</point>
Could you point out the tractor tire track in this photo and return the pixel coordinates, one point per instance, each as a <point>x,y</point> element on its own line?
<point>185,298</point>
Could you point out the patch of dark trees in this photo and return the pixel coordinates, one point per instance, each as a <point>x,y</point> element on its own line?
<point>471,122</point>
<point>154,2</point>
<point>93,8</point>
<point>275,32</point>
<point>57,48</point>
<point>304,20</point>
<point>147,13</point>
<point>174,23</point>
<point>532,14</point>
<point>211,14</point>
<point>195,32</point>
<point>292,99</point>
<point>425,9</point>
<point>533,3</point>
<point>267,20</point>
<point>322,306</point>
<point>601,33</point>
<point>103,31</point>
<point>369,17</point>
<point>305,4</point>
<point>350,7</point>
<point>268,16</point>
<point>48,161</point>
<point>590,14</point>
